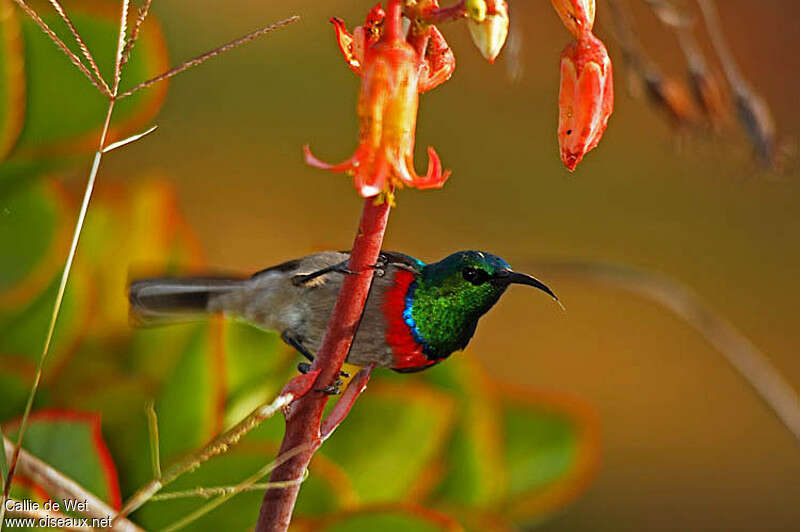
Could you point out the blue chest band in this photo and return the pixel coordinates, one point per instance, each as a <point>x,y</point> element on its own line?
<point>408,318</point>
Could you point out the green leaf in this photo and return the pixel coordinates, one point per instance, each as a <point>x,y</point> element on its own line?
<point>256,363</point>
<point>253,355</point>
<point>13,390</point>
<point>23,329</point>
<point>515,454</point>
<point>66,116</point>
<point>72,443</point>
<point>29,224</point>
<point>389,438</point>
<point>386,522</point>
<point>551,451</point>
<point>540,447</point>
<point>474,473</point>
<point>386,519</point>
<point>3,463</point>
<point>187,404</point>
<point>12,78</point>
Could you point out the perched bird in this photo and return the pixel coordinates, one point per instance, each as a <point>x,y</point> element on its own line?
<point>416,314</point>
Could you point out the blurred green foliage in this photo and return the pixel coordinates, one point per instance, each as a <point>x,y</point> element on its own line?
<point>441,450</point>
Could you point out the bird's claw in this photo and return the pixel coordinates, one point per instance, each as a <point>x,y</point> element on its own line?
<point>333,389</point>
<point>380,266</point>
<point>305,367</point>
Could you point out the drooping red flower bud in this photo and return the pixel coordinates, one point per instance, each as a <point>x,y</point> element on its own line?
<point>586,98</point>
<point>394,71</point>
<point>577,15</point>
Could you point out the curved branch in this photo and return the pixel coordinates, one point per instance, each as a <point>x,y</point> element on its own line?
<point>753,365</point>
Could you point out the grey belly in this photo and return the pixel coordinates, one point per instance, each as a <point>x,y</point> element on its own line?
<point>369,344</point>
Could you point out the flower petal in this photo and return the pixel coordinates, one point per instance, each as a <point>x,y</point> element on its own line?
<point>346,45</point>
<point>313,161</point>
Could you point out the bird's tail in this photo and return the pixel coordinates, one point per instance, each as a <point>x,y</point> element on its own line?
<point>161,300</point>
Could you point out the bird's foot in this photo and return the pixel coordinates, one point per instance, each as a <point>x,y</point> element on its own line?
<point>333,389</point>
<point>380,266</point>
<point>305,367</point>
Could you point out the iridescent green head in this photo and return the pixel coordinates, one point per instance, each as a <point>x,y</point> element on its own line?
<point>452,294</point>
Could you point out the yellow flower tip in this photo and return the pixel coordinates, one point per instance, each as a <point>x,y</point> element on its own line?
<point>476,10</point>
<point>490,34</point>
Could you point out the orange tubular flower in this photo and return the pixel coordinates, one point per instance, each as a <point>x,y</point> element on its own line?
<point>394,71</point>
<point>586,98</point>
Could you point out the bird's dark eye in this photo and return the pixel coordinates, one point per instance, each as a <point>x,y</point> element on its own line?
<point>475,276</point>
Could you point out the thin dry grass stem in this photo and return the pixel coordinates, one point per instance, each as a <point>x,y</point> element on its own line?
<point>123,49</point>
<point>754,113</point>
<point>137,25</point>
<point>82,45</point>
<point>75,237</point>
<point>152,430</point>
<point>132,138</point>
<point>59,298</point>
<point>123,26</point>
<point>729,66</point>
<point>63,47</point>
<point>218,445</point>
<point>632,51</point>
<point>753,365</point>
<point>207,493</point>
<point>60,486</point>
<point>208,55</point>
<point>245,485</point>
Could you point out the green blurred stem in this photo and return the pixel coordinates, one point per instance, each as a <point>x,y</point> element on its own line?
<point>152,428</point>
<point>218,445</point>
<point>248,484</point>
<point>207,493</point>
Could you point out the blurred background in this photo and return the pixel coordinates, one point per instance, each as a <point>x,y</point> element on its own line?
<point>685,444</point>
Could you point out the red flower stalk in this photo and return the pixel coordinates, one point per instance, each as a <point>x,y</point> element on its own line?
<point>577,15</point>
<point>394,71</point>
<point>586,97</point>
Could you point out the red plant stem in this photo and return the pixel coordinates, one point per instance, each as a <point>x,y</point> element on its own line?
<point>393,26</point>
<point>305,416</point>
<point>437,16</point>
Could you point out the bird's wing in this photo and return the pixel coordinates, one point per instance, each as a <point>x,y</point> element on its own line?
<point>402,260</point>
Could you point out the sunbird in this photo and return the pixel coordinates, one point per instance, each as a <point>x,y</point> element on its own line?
<point>416,314</point>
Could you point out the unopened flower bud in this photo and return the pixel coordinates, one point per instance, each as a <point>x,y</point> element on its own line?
<point>476,9</point>
<point>586,98</point>
<point>490,34</point>
<point>577,15</point>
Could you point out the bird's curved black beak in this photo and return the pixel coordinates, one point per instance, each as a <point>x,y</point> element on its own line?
<point>507,277</point>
